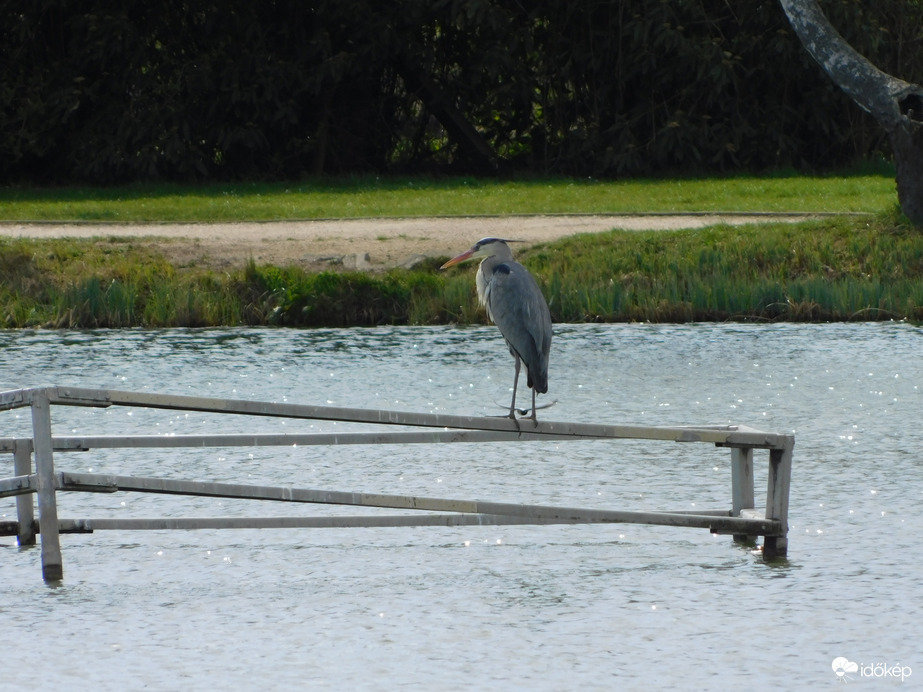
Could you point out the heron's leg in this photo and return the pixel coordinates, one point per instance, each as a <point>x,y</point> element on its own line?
<point>534,419</point>
<point>515,384</point>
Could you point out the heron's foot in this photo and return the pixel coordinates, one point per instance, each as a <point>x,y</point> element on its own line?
<point>524,412</point>
<point>513,418</point>
<point>530,413</point>
<point>524,415</point>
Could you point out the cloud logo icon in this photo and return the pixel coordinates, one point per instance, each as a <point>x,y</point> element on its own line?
<point>841,666</point>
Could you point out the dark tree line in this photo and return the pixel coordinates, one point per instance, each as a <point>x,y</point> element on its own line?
<point>103,92</point>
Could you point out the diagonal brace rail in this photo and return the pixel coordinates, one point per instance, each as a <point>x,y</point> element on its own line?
<point>544,513</point>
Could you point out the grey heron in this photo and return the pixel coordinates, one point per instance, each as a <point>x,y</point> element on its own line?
<point>516,305</point>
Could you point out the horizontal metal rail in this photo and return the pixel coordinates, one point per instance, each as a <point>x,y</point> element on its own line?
<point>11,528</point>
<point>330,522</point>
<point>315,522</point>
<point>82,443</point>
<point>17,485</point>
<point>725,435</point>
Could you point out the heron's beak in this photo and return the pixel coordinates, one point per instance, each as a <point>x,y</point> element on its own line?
<point>468,254</point>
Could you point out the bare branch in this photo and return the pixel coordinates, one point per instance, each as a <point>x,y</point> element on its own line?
<point>896,105</point>
<point>873,90</point>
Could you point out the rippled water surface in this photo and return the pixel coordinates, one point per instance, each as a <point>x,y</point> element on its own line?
<point>487,608</point>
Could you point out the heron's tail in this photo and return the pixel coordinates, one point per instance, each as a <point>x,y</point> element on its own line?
<point>539,380</point>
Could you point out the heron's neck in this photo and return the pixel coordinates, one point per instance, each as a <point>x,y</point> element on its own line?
<point>488,264</point>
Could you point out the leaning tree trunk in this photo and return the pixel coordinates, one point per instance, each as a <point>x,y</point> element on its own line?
<point>896,105</point>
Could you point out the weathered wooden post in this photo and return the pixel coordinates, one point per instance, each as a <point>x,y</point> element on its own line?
<point>742,486</point>
<point>52,568</point>
<point>780,476</point>
<point>25,512</point>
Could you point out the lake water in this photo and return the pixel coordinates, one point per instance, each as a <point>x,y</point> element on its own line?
<point>487,608</point>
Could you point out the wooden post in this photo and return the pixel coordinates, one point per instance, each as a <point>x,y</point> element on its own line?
<point>25,512</point>
<point>52,568</point>
<point>742,486</point>
<point>780,475</point>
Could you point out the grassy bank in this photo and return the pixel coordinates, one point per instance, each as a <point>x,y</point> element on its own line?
<point>353,198</point>
<point>845,268</point>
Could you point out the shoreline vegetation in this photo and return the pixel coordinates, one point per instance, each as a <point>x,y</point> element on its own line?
<point>838,268</point>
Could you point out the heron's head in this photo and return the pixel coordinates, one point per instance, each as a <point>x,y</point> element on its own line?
<point>485,247</point>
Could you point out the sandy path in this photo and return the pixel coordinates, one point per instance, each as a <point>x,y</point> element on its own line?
<point>370,244</point>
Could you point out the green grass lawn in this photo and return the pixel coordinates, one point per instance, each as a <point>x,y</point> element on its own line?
<point>840,268</point>
<point>371,197</point>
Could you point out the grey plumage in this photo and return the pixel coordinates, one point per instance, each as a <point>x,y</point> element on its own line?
<point>515,303</point>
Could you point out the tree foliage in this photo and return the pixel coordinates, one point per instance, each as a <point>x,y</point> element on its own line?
<point>113,92</point>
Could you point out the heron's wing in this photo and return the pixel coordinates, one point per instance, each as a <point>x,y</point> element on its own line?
<point>516,305</point>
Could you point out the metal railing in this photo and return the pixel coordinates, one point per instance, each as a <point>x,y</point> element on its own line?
<point>743,520</point>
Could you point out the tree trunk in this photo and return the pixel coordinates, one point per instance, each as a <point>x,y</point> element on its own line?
<point>473,145</point>
<point>896,105</point>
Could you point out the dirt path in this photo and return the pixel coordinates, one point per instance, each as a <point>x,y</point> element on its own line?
<point>367,244</point>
